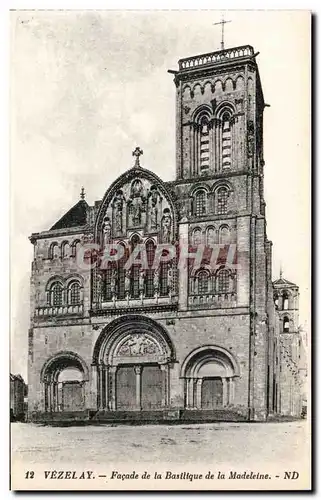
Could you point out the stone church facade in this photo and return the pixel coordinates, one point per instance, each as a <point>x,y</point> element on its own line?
<point>118,303</point>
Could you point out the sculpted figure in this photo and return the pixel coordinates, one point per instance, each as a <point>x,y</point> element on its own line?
<point>166,226</point>
<point>107,231</point>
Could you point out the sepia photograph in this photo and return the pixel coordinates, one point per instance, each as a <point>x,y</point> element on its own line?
<point>160,250</point>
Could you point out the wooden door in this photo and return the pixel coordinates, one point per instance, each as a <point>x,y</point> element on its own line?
<point>126,388</point>
<point>212,393</point>
<point>152,387</point>
<point>72,396</point>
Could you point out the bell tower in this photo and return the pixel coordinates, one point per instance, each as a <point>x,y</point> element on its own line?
<point>219,114</point>
<point>220,199</point>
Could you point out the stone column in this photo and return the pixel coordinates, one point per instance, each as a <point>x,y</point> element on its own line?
<point>194,393</point>
<point>224,380</point>
<point>199,393</point>
<point>50,396</point>
<point>55,396</point>
<point>112,375</point>
<point>138,373</point>
<point>190,382</point>
<point>101,387</point>
<point>164,385</point>
<point>192,145</point>
<point>187,392</point>
<point>106,405</point>
<point>231,390</point>
<point>45,396</point>
<point>94,387</point>
<point>219,147</point>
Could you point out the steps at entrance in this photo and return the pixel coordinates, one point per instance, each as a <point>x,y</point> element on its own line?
<point>212,416</point>
<point>161,416</point>
<point>144,416</point>
<point>168,416</point>
<point>61,417</point>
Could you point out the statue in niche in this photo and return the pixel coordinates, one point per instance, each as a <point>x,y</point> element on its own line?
<point>99,286</point>
<point>170,278</point>
<point>136,204</point>
<point>113,281</point>
<point>141,279</point>
<point>153,215</point>
<point>127,280</point>
<point>107,231</point>
<point>166,226</point>
<point>156,279</point>
<point>118,207</point>
<point>153,211</point>
<point>136,189</point>
<point>137,208</point>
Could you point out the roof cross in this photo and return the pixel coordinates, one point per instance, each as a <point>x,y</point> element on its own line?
<point>137,153</point>
<point>222,22</point>
<point>82,193</point>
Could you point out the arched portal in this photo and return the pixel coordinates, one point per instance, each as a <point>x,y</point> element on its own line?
<point>209,374</point>
<point>133,356</point>
<point>64,376</point>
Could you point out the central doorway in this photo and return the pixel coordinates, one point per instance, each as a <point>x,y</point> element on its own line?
<point>139,387</point>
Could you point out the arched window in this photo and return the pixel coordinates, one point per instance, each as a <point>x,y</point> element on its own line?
<point>224,235</point>
<point>221,200</point>
<point>200,203</point>
<point>135,271</point>
<point>210,236</point>
<point>202,282</point>
<point>226,140</point>
<point>197,237</point>
<point>56,294</point>
<point>149,273</point>
<point>163,279</point>
<point>74,293</point>
<point>285,301</point>
<point>202,135</point>
<point>121,292</point>
<point>223,281</point>
<point>276,301</point>
<point>204,143</point>
<point>65,249</point>
<point>286,324</point>
<point>53,251</point>
<point>76,247</point>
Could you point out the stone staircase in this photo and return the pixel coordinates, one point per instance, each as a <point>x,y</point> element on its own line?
<point>164,416</point>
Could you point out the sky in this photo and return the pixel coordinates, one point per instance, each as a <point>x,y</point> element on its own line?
<point>88,86</point>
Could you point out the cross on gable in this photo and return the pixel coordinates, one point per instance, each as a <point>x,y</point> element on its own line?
<point>137,153</point>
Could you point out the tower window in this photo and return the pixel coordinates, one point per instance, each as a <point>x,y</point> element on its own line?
<point>202,282</point>
<point>56,295</point>
<point>204,144</point>
<point>197,237</point>
<point>285,301</point>
<point>226,140</point>
<point>222,197</point>
<point>286,324</point>
<point>224,235</point>
<point>200,203</point>
<point>223,281</point>
<point>74,293</point>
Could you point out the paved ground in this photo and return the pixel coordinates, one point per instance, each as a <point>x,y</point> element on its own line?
<point>217,443</point>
